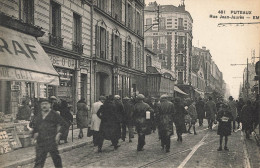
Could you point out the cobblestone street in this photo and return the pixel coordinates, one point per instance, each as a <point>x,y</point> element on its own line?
<point>195,151</point>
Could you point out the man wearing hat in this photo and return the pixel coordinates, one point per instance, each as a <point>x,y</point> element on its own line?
<point>122,115</point>
<point>46,134</point>
<point>233,108</point>
<point>129,109</point>
<point>141,110</point>
<point>165,118</point>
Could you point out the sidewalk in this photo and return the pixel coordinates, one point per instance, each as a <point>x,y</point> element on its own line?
<point>25,156</point>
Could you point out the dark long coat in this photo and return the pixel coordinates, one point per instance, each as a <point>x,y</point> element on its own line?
<point>200,109</point>
<point>247,117</point>
<point>179,120</point>
<point>224,127</point>
<point>165,117</point>
<point>142,124</point>
<point>211,110</point>
<point>129,110</point>
<point>82,114</point>
<point>110,121</point>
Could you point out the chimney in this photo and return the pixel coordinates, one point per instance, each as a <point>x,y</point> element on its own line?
<point>203,47</point>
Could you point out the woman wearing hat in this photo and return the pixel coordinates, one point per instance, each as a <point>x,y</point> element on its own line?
<point>224,117</point>
<point>179,120</point>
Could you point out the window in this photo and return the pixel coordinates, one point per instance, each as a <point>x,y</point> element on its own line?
<point>56,19</point>
<point>129,16</point>
<point>117,9</point>
<point>162,23</point>
<point>148,42</point>
<point>169,22</point>
<point>169,19</point>
<point>27,11</point>
<point>116,48</point>
<point>180,23</point>
<point>138,57</point>
<point>102,42</point>
<point>55,26</point>
<point>180,60</point>
<point>180,77</point>
<point>129,54</point>
<point>162,42</point>
<point>102,4</point>
<point>138,23</point>
<point>77,28</point>
<point>77,44</point>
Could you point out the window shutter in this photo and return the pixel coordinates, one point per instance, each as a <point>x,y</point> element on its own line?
<point>107,45</point>
<point>126,13</point>
<point>120,51</point>
<point>131,56</point>
<point>97,41</point>
<point>135,56</point>
<point>112,8</point>
<point>126,53</point>
<point>113,46</point>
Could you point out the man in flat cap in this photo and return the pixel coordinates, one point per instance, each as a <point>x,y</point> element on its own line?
<point>165,118</point>
<point>45,133</point>
<point>140,110</point>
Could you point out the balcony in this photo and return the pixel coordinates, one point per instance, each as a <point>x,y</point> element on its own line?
<point>77,47</point>
<point>55,41</point>
<point>180,28</point>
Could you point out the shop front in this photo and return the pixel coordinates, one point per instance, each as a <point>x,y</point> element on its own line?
<point>25,73</point>
<point>66,68</point>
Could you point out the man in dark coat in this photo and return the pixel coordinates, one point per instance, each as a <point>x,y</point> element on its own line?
<point>153,105</point>
<point>200,110</point>
<point>140,111</point>
<point>224,118</point>
<point>121,110</point>
<point>110,123</point>
<point>240,105</point>
<point>68,117</point>
<point>165,125</point>
<point>247,118</point>
<point>129,110</point>
<point>179,120</point>
<point>211,111</point>
<point>46,124</point>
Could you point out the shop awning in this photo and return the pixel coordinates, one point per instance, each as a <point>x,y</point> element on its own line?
<point>23,59</point>
<point>179,90</point>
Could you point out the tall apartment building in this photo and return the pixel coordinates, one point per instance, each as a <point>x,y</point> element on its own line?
<point>171,38</point>
<point>118,42</point>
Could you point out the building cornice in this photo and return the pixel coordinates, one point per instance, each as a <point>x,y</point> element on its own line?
<point>62,52</point>
<point>19,25</point>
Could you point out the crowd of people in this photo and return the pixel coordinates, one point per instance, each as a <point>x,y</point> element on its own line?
<point>110,118</point>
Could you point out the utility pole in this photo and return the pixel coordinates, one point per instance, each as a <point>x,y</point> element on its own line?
<point>247,84</point>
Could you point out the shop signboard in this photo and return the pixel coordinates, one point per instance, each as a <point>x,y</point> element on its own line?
<point>62,61</point>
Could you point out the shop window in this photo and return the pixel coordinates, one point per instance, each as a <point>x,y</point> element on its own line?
<point>5,97</point>
<point>83,86</point>
<point>27,11</point>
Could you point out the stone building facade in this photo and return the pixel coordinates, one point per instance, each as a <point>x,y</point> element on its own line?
<point>118,42</point>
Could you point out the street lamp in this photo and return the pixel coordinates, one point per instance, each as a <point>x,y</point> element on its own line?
<point>247,83</point>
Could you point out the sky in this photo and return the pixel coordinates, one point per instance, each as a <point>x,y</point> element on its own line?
<point>227,44</point>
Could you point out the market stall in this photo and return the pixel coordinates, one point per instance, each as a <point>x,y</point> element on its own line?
<point>25,73</point>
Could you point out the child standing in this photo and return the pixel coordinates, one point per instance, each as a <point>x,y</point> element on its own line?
<point>224,118</point>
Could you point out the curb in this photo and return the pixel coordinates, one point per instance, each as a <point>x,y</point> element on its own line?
<point>31,160</point>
